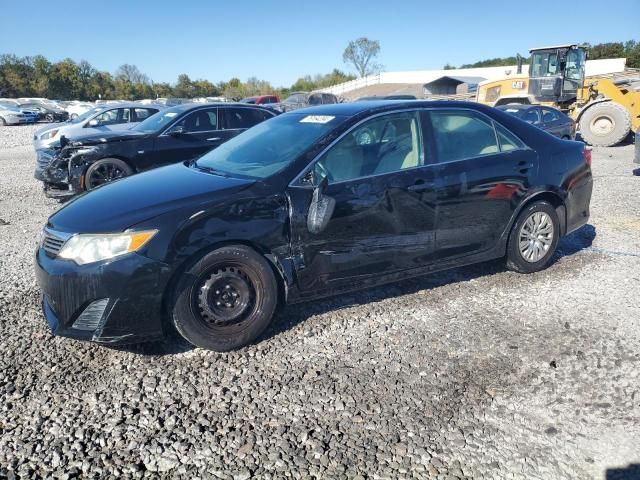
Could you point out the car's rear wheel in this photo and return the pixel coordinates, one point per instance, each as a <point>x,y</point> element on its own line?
<point>534,238</point>
<point>105,171</point>
<point>3,122</point>
<point>226,299</point>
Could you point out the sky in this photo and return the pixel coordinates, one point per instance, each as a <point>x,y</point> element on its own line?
<point>282,40</point>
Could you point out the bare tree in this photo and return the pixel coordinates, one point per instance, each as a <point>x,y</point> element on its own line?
<point>361,53</point>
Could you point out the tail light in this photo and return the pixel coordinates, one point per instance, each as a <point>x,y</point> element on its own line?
<point>586,154</point>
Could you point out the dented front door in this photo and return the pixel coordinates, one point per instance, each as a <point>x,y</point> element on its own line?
<point>380,224</point>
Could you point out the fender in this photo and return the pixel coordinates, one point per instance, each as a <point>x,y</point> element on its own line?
<point>543,190</point>
<point>590,104</point>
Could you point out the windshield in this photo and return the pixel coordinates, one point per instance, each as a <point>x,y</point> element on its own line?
<point>248,100</point>
<point>270,146</point>
<point>87,114</point>
<point>158,121</point>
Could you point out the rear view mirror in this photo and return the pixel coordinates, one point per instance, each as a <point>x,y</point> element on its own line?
<point>321,208</point>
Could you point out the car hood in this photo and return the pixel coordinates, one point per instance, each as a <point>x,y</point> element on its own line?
<point>107,137</point>
<point>127,202</point>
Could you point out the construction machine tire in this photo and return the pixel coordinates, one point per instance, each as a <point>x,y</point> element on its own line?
<point>605,124</point>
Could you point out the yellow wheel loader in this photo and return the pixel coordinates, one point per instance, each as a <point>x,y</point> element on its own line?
<point>605,107</point>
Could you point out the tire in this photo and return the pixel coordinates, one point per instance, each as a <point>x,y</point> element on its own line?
<point>605,124</point>
<point>49,118</point>
<point>242,318</point>
<point>546,244</point>
<point>3,122</point>
<point>73,116</point>
<point>105,171</point>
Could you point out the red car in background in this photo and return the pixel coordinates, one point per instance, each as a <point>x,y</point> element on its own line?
<point>261,99</point>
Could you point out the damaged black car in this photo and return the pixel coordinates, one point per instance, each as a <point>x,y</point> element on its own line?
<point>308,204</point>
<point>176,134</point>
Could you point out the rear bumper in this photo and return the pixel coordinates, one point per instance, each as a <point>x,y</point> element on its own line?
<point>115,302</point>
<point>578,201</point>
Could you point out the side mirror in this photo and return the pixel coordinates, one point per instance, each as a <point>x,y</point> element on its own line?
<point>321,208</point>
<point>176,131</point>
<point>93,123</point>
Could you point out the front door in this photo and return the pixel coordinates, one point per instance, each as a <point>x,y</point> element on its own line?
<point>195,134</point>
<point>381,222</point>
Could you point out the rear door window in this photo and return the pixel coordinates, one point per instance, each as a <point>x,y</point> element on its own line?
<point>532,116</point>
<point>549,116</point>
<point>462,134</point>
<point>508,141</point>
<point>242,118</point>
<point>205,120</point>
<point>143,113</point>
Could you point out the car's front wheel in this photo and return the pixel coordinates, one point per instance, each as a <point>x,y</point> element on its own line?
<point>226,299</point>
<point>534,238</point>
<point>105,171</point>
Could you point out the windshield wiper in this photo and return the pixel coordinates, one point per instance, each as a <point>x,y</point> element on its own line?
<point>210,170</point>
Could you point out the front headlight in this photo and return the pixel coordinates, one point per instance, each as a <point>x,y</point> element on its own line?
<point>48,135</point>
<point>89,248</point>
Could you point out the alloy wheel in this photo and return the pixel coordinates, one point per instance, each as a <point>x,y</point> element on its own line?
<point>536,237</point>
<point>104,173</point>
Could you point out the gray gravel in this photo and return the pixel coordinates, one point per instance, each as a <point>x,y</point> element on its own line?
<point>473,373</point>
<point>18,135</point>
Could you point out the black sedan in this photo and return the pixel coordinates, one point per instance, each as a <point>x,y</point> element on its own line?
<point>551,120</point>
<point>46,113</point>
<point>179,133</point>
<point>308,204</point>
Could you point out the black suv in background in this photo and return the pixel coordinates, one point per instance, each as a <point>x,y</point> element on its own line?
<point>179,133</point>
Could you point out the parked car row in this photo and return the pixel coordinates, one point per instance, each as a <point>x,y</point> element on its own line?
<point>108,143</point>
<point>299,206</point>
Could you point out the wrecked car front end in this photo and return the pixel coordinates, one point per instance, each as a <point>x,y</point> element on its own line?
<point>62,169</point>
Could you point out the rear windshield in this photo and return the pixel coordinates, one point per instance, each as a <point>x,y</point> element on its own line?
<point>270,146</point>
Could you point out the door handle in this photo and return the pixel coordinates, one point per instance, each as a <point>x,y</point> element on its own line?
<point>419,186</point>
<point>523,166</point>
<point>213,139</point>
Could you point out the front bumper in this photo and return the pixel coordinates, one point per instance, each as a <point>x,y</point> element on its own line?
<point>124,296</point>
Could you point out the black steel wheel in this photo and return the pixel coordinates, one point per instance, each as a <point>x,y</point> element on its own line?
<point>49,118</point>
<point>105,171</point>
<point>226,299</point>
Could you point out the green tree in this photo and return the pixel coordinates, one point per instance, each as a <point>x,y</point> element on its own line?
<point>361,53</point>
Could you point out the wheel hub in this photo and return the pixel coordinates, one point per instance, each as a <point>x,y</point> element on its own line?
<point>225,297</point>
<point>602,125</point>
<point>536,237</point>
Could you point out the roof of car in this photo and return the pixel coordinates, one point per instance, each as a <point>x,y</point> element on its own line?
<point>355,108</point>
<point>516,106</point>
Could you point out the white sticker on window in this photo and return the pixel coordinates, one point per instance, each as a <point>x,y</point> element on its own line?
<point>170,114</point>
<point>317,119</point>
<point>511,110</point>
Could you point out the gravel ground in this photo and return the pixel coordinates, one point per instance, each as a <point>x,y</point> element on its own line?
<point>467,374</point>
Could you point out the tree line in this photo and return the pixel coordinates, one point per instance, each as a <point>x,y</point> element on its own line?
<point>629,50</point>
<point>69,80</point>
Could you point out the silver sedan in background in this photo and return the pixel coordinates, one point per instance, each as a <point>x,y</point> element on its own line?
<point>103,118</point>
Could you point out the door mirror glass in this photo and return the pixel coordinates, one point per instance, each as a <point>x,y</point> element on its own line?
<point>176,131</point>
<point>321,208</point>
<point>93,122</point>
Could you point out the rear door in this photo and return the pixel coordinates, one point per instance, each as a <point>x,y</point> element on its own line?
<point>552,122</point>
<point>480,171</point>
<point>191,136</point>
<point>237,119</point>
